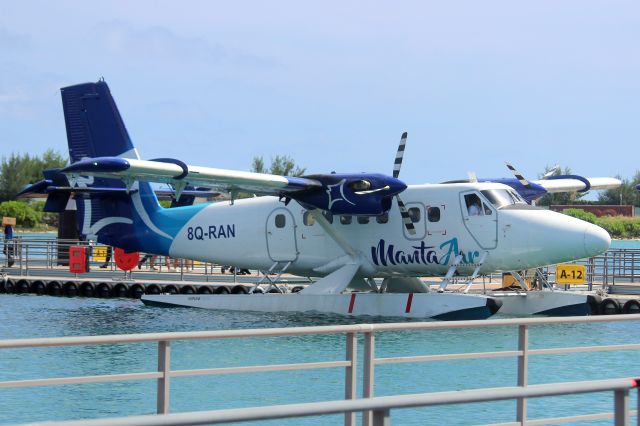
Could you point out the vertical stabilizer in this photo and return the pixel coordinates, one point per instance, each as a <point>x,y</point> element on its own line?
<point>94,125</point>
<point>111,213</point>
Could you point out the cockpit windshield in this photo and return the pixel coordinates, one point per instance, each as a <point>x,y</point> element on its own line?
<point>503,197</point>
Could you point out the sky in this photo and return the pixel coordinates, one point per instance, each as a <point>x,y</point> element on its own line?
<point>333,84</point>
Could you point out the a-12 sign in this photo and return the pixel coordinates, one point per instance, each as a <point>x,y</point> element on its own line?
<point>571,274</point>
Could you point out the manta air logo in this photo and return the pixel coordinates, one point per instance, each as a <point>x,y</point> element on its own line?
<point>386,254</point>
<point>336,193</point>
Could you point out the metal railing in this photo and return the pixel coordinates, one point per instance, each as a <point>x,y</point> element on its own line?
<point>614,267</point>
<point>37,256</point>
<point>164,374</point>
<point>381,406</point>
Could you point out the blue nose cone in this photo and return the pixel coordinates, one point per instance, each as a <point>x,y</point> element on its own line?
<point>396,186</point>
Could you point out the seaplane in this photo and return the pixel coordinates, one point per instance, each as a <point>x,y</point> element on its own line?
<point>366,238</point>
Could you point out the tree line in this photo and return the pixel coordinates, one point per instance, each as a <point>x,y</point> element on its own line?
<point>19,170</point>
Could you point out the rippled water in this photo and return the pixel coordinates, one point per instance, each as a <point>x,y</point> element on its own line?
<point>24,316</point>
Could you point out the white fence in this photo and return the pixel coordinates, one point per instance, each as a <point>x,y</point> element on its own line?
<point>376,410</point>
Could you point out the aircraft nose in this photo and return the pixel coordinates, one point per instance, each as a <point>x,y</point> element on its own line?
<point>596,240</point>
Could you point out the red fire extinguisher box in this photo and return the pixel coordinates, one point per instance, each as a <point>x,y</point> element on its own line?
<point>78,261</point>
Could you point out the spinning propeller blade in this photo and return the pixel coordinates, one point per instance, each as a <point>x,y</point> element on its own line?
<point>406,219</point>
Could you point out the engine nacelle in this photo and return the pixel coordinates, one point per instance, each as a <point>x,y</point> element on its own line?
<point>365,194</point>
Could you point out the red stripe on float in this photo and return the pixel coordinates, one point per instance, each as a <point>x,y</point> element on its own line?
<point>409,300</point>
<point>351,302</point>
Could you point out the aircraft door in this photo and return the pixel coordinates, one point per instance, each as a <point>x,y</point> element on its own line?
<point>480,219</point>
<point>281,236</point>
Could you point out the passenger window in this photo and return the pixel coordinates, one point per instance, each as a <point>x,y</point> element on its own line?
<point>346,220</point>
<point>308,218</point>
<point>328,215</point>
<point>487,210</point>
<point>414,214</point>
<point>383,218</point>
<point>474,205</point>
<point>433,214</point>
<point>363,220</point>
<point>281,220</point>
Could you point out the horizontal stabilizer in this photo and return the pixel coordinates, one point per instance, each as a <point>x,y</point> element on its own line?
<point>56,202</point>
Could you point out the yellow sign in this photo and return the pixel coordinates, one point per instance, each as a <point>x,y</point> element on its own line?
<point>571,274</point>
<point>100,254</point>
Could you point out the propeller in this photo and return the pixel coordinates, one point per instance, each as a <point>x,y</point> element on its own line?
<point>552,171</point>
<point>518,176</point>
<point>406,219</point>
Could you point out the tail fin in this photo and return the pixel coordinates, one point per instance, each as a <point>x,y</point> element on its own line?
<point>111,213</point>
<point>94,125</point>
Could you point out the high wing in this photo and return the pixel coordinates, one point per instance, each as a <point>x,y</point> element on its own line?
<point>180,175</point>
<point>90,111</point>
<point>338,193</point>
<point>550,183</point>
<point>570,183</point>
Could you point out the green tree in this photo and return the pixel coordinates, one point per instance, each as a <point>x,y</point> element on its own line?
<point>625,194</point>
<point>26,216</point>
<point>17,170</point>
<point>559,198</point>
<point>258,165</point>
<point>280,165</point>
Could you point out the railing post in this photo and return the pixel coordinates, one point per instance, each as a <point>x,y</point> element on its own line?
<point>26,248</point>
<point>368,373</point>
<point>621,407</point>
<point>605,272</point>
<point>164,361</point>
<point>381,418</point>
<point>523,366</point>
<point>351,376</point>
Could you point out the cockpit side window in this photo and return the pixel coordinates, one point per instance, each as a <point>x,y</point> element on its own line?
<point>474,205</point>
<point>308,218</point>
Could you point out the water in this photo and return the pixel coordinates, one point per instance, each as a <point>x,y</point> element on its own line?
<point>625,244</point>
<point>23,316</point>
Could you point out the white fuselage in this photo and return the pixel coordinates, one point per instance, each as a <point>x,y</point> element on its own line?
<point>257,232</point>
